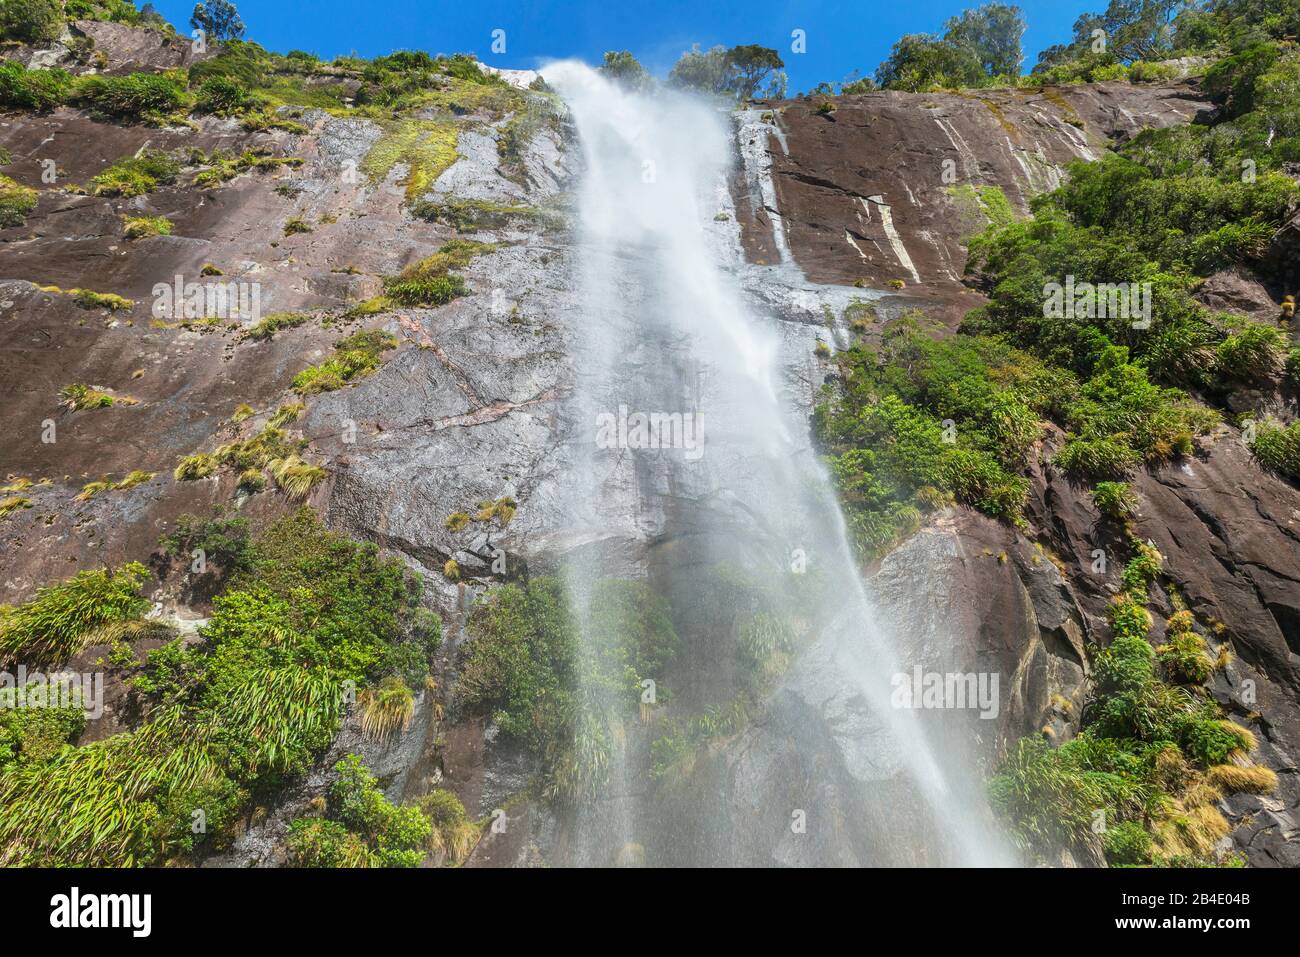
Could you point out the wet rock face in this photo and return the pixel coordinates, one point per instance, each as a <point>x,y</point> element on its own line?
<point>876,189</point>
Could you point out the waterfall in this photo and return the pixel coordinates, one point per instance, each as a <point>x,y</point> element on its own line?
<point>730,488</point>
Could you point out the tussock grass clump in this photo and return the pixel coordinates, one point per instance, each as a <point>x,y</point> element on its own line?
<point>242,411</point>
<point>385,707</point>
<point>1115,500</point>
<point>222,168</point>
<point>502,511</point>
<point>197,466</point>
<point>89,299</point>
<point>362,828</point>
<point>66,617</point>
<point>13,503</point>
<point>1277,448</point>
<point>78,397</point>
<point>451,570</point>
<point>1246,779</point>
<point>457,522</point>
<point>295,477</point>
<point>266,327</point>
<point>16,201</point>
<point>137,477</point>
<point>296,225</point>
<point>356,357</point>
<point>137,175</point>
<point>453,834</point>
<point>286,413</point>
<point>139,227</point>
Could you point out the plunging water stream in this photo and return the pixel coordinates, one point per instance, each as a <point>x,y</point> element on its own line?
<point>728,487</point>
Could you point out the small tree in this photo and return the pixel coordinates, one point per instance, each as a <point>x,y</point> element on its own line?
<point>218,19</point>
<point>750,67</point>
<point>622,67</point>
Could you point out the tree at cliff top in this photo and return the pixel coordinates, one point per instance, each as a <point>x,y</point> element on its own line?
<point>218,19</point>
<point>976,49</point>
<point>742,72</point>
<point>623,68</point>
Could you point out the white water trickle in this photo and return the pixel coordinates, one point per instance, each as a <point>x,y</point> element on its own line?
<point>666,326</point>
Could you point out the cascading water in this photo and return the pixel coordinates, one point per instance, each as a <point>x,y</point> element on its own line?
<point>730,489</point>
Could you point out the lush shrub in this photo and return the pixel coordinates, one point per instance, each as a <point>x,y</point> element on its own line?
<point>35,731</point>
<point>38,90</point>
<point>1257,351</point>
<point>1127,845</point>
<point>1115,500</point>
<point>31,21</point>
<point>365,830</point>
<point>135,96</point>
<point>546,684</point>
<point>224,96</point>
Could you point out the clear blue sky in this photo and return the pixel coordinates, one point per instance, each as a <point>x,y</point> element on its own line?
<point>842,35</point>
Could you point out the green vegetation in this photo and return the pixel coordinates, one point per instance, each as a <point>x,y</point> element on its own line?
<point>220,168</point>
<point>89,299</point>
<point>137,175</point>
<point>16,202</point>
<point>135,97</point>
<point>979,48</point>
<point>565,698</point>
<point>78,397</point>
<point>91,608</point>
<point>426,148</point>
<point>266,327</point>
<point>362,828</point>
<point>430,282</point>
<point>471,214</point>
<point>228,720</point>
<point>920,423</point>
<point>743,72</point>
<point>34,728</point>
<point>37,90</point>
<point>1277,448</point>
<point>138,227</point>
<point>1115,500</point>
<point>31,21</point>
<point>12,504</point>
<point>452,833</point>
<point>132,479</point>
<point>1151,761</point>
<point>356,357</point>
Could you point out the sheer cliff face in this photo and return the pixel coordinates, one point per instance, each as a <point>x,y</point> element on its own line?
<point>878,192</point>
